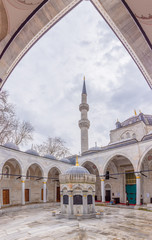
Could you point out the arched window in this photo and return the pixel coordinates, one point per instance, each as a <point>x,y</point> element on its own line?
<point>6,172</point>
<point>134,135</point>
<point>127,135</point>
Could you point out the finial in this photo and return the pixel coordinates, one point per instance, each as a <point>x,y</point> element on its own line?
<point>77,163</point>
<point>84,78</point>
<point>135,112</point>
<point>117,120</point>
<point>140,111</point>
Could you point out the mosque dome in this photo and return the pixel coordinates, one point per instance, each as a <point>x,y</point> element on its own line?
<point>147,119</point>
<point>33,152</point>
<point>11,145</point>
<point>49,156</point>
<point>77,170</point>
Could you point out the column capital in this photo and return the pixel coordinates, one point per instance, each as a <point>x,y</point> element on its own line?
<point>23,179</point>
<point>102,179</point>
<point>44,180</point>
<point>138,175</point>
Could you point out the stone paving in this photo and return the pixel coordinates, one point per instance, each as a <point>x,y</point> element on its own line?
<point>36,224</point>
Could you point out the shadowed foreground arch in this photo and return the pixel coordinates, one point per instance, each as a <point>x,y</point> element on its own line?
<point>43,14</point>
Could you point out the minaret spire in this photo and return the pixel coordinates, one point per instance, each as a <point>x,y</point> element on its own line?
<point>84,87</point>
<point>84,123</point>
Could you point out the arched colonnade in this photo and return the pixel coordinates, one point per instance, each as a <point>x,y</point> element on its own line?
<point>32,183</point>
<point>120,178</point>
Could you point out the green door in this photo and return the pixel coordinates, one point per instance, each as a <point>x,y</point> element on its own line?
<point>131,193</point>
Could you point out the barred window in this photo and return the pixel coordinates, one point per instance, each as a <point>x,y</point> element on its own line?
<point>89,199</point>
<point>77,200</point>
<point>65,199</point>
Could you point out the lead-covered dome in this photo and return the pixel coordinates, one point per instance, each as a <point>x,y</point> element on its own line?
<point>77,170</point>
<point>49,156</point>
<point>33,152</point>
<point>65,160</point>
<point>11,145</point>
<point>95,148</point>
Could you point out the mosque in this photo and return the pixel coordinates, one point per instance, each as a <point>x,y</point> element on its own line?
<point>122,169</point>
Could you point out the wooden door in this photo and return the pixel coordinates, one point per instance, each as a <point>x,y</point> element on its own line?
<point>42,194</point>
<point>58,194</point>
<point>108,195</point>
<point>27,198</point>
<point>6,196</point>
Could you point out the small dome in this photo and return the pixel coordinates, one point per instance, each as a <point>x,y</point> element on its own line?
<point>77,170</point>
<point>118,124</point>
<point>33,152</point>
<point>65,160</point>
<point>95,148</point>
<point>49,156</point>
<point>11,145</point>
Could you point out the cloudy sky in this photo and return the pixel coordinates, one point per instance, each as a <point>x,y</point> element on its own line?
<point>46,85</point>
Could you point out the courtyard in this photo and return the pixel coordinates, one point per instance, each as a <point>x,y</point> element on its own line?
<point>38,223</point>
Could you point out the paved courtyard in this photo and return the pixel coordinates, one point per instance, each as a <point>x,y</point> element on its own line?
<point>36,224</point>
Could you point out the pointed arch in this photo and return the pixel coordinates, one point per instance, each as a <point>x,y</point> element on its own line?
<point>141,160</point>
<point>35,170</point>
<point>111,158</point>
<point>13,163</point>
<point>94,169</point>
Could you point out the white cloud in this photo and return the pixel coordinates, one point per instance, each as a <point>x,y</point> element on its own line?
<point>46,85</point>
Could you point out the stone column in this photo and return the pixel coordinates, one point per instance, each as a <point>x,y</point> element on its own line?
<point>103,189</point>
<point>23,190</point>
<point>138,189</point>
<point>93,202</point>
<point>0,194</point>
<point>61,200</point>
<point>85,209</point>
<point>70,206</point>
<point>44,189</point>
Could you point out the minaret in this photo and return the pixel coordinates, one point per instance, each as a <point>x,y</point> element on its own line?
<point>84,123</point>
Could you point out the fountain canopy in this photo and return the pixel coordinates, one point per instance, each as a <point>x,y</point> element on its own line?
<point>77,189</point>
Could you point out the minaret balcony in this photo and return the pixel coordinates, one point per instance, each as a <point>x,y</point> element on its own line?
<point>83,106</point>
<point>85,123</point>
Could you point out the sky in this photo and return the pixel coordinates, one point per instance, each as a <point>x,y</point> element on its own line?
<point>46,85</point>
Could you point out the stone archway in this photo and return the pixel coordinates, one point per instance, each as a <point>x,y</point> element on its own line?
<point>119,174</point>
<point>92,168</point>
<point>34,183</point>
<point>53,185</point>
<point>11,182</point>
<point>146,177</point>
